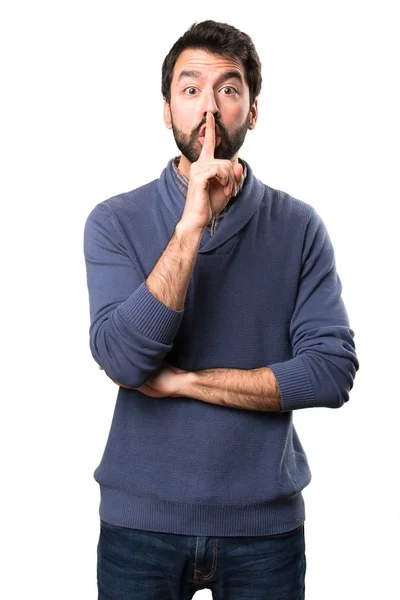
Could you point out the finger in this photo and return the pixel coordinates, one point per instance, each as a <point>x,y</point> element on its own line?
<point>229,182</point>
<point>208,148</point>
<point>224,175</point>
<point>229,190</point>
<point>238,171</point>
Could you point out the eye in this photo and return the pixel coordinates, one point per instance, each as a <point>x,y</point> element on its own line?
<point>190,91</point>
<point>231,90</point>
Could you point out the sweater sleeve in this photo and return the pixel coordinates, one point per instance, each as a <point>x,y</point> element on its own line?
<point>131,331</point>
<point>324,363</point>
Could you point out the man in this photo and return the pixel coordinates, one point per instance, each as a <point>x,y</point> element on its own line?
<point>216,307</point>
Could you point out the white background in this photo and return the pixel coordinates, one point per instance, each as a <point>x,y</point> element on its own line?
<point>81,120</point>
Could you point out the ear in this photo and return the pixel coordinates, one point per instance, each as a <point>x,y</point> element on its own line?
<point>167,115</point>
<point>253,114</point>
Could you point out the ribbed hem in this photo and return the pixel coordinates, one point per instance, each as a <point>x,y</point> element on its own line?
<point>150,316</point>
<point>294,384</point>
<point>151,514</point>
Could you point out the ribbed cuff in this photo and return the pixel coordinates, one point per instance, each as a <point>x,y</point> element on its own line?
<point>150,316</point>
<point>294,384</point>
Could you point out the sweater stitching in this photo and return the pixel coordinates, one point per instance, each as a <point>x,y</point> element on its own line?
<point>180,502</point>
<point>115,223</point>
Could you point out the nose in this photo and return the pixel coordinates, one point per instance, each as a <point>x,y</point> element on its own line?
<point>210,104</point>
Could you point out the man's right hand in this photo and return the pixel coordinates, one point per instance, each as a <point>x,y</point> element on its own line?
<point>212,182</point>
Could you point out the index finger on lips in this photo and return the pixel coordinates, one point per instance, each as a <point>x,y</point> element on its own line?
<point>207,150</point>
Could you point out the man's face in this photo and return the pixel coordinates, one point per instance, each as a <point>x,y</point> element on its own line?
<point>204,82</point>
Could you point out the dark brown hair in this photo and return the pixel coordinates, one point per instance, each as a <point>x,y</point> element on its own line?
<point>217,38</point>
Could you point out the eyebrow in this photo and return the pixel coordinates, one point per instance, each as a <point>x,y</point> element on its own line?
<point>223,77</point>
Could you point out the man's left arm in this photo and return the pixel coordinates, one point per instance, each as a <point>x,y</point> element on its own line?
<point>324,364</point>
<point>248,389</point>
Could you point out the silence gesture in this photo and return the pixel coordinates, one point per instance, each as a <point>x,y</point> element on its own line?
<point>212,181</point>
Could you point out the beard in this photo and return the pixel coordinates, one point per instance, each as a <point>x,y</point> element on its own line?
<point>230,143</point>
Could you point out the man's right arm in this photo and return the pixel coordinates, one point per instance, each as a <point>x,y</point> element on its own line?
<point>170,277</point>
<point>134,322</point>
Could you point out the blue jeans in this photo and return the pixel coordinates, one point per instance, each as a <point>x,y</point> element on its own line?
<point>134,564</point>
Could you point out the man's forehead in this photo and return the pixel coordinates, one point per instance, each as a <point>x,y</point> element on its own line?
<point>202,61</point>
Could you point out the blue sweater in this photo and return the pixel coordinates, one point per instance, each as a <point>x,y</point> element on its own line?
<point>264,292</point>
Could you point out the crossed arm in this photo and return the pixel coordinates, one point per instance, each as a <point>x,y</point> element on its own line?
<point>247,389</point>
